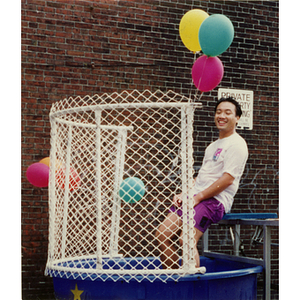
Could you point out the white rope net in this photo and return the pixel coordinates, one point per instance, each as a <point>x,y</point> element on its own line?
<point>100,229</point>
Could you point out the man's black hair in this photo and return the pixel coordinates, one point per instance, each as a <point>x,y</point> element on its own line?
<point>238,110</point>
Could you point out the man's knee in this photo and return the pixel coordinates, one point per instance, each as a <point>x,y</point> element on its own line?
<point>158,233</point>
<point>180,240</point>
<point>168,228</point>
<point>161,233</point>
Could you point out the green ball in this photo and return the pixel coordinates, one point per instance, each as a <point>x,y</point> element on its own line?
<point>132,189</point>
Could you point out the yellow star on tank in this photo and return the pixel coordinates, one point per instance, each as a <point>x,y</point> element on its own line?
<point>77,293</point>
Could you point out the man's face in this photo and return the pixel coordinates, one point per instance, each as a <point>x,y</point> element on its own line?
<point>226,119</point>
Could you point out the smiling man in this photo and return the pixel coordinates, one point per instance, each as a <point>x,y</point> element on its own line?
<point>215,186</point>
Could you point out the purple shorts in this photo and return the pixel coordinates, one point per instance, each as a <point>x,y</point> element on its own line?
<point>206,212</point>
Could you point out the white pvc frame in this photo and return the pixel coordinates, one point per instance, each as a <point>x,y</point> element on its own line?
<point>188,263</point>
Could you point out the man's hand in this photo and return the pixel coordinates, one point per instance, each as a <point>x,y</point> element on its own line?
<point>177,200</point>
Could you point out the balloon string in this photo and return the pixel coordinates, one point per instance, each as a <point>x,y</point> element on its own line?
<point>201,96</point>
<point>190,96</point>
<point>202,73</point>
<point>199,82</point>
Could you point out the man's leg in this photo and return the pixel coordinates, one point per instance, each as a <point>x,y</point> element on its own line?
<point>197,235</point>
<point>164,234</point>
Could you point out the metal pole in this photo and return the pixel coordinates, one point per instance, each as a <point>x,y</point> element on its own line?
<point>236,245</point>
<point>267,262</point>
<point>205,241</point>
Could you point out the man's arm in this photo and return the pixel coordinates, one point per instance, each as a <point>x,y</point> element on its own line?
<point>214,189</point>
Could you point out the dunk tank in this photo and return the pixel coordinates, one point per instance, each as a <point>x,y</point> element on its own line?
<point>116,161</point>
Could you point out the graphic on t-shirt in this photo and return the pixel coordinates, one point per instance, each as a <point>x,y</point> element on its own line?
<point>217,154</point>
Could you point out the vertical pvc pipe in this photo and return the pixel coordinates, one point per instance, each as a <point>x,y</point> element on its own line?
<point>98,190</point>
<point>67,189</point>
<point>119,170</point>
<point>185,256</point>
<point>51,189</point>
<point>190,185</point>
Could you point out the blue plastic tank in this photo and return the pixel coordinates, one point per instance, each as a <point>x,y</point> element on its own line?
<point>223,280</point>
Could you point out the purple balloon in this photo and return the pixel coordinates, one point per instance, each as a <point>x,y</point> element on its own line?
<point>207,73</point>
<point>38,174</point>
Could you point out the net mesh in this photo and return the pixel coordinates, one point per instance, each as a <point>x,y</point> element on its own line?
<point>97,143</point>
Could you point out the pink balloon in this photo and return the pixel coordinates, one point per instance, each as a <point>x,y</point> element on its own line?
<point>38,174</point>
<point>207,73</point>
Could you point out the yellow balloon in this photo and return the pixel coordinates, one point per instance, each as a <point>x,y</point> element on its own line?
<point>46,161</point>
<point>189,28</point>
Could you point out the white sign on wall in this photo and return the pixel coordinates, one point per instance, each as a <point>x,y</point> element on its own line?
<point>245,98</point>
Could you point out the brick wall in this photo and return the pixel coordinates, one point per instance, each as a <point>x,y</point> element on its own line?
<point>72,48</point>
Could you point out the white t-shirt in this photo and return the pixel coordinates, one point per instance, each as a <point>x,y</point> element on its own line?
<point>227,155</point>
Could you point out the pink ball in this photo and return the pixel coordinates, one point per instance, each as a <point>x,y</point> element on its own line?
<point>207,73</point>
<point>38,174</point>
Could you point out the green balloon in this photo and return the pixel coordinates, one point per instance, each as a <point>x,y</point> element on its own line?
<point>215,35</point>
<point>132,189</point>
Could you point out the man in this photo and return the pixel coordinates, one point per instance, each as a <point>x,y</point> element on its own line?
<point>215,186</point>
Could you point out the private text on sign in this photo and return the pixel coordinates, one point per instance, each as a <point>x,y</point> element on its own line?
<point>245,98</point>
